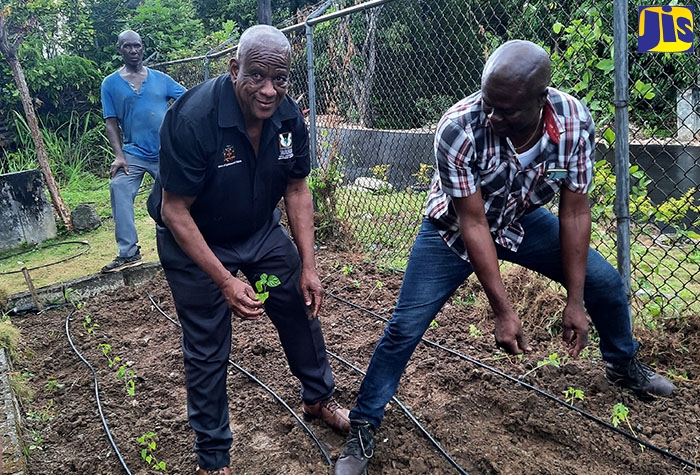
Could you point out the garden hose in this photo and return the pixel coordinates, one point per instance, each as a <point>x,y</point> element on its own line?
<point>97,395</point>
<point>410,416</point>
<point>529,386</point>
<point>84,243</point>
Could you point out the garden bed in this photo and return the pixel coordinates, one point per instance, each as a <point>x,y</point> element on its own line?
<point>486,423</point>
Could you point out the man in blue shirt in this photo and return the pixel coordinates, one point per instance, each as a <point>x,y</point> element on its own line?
<point>134,101</point>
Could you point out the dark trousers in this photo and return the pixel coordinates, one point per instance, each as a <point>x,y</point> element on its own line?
<point>206,330</point>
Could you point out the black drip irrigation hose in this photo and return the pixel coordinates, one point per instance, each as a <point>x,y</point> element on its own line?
<point>533,388</point>
<point>410,416</point>
<point>84,243</point>
<point>97,395</point>
<point>265,387</point>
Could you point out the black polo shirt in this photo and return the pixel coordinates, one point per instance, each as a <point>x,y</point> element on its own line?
<point>205,152</point>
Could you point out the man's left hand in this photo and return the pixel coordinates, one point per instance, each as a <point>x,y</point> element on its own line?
<point>312,290</point>
<point>575,326</point>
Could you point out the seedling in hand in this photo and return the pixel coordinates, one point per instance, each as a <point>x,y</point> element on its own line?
<point>264,283</point>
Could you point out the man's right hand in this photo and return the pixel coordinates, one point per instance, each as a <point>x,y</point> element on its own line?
<point>509,334</point>
<point>241,299</point>
<point>119,162</point>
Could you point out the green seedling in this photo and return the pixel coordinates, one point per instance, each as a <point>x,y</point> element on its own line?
<point>73,297</point>
<point>148,451</point>
<point>571,395</point>
<point>106,348</point>
<point>89,325</point>
<point>347,270</point>
<point>52,384</point>
<point>129,377</point>
<point>434,324</point>
<point>474,332</point>
<point>377,285</point>
<point>552,359</point>
<point>45,414</point>
<point>264,283</point>
<point>620,413</point>
<point>36,444</point>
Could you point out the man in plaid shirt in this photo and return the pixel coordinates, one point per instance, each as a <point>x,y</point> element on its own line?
<point>501,154</point>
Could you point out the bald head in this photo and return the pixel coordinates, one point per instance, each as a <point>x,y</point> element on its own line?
<point>128,36</point>
<point>265,36</point>
<point>519,63</point>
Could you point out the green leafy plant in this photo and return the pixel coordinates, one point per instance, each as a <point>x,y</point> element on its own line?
<point>73,297</point>
<point>424,174</point>
<point>379,171</point>
<point>36,443</point>
<point>124,373</point>
<point>45,414</point>
<point>620,413</point>
<point>89,324</point>
<point>324,183</point>
<point>264,283</point>
<point>52,384</point>
<point>434,324</point>
<point>571,395</point>
<point>106,348</point>
<point>148,441</point>
<point>474,332</point>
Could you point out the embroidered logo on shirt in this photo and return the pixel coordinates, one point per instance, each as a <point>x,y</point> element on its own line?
<point>286,152</point>
<point>285,140</point>
<point>229,155</point>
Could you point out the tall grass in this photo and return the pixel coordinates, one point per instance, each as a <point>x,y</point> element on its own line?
<point>78,155</point>
<point>77,147</point>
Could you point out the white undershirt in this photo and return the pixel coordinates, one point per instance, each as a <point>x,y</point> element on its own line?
<point>526,157</point>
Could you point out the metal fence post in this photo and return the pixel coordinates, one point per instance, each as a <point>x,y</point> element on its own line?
<point>622,162</point>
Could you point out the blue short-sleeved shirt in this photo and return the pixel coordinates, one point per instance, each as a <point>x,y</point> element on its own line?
<point>205,152</point>
<point>139,113</point>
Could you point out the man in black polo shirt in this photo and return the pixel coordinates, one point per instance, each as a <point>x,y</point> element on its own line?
<point>230,149</point>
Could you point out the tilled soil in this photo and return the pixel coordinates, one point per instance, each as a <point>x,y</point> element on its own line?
<point>466,395</point>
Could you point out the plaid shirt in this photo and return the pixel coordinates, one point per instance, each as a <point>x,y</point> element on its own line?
<point>470,156</point>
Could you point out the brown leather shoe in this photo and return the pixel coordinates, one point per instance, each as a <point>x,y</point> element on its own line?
<point>218,471</point>
<point>330,412</point>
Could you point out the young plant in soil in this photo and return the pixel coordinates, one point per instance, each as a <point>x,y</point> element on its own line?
<point>620,413</point>
<point>552,359</point>
<point>106,348</point>
<point>264,283</point>
<point>129,377</point>
<point>148,451</point>
<point>571,395</point>
<point>89,324</point>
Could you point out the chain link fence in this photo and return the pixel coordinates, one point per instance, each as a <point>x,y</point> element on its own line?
<point>382,74</point>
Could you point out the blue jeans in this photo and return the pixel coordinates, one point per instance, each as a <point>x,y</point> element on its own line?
<point>435,272</point>
<point>123,189</point>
